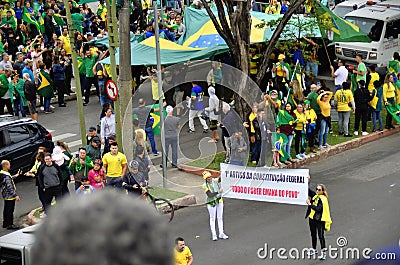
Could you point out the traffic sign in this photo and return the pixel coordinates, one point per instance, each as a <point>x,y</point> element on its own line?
<point>112,90</point>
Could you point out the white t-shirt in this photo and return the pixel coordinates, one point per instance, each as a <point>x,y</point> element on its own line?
<point>341,75</point>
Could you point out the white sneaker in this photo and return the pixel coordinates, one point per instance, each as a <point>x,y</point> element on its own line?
<point>214,237</point>
<point>356,133</point>
<point>312,252</point>
<point>304,155</point>
<point>299,157</point>
<point>364,133</point>
<point>223,236</point>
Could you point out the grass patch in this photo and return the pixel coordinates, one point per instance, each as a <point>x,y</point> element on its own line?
<point>158,192</point>
<point>210,162</point>
<point>213,162</point>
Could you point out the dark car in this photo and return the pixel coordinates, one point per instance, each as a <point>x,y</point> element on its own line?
<point>20,140</point>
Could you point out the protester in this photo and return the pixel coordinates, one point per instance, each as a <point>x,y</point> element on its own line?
<point>107,128</point>
<point>196,107</point>
<point>80,167</point>
<point>215,205</point>
<point>324,103</point>
<point>361,99</point>
<point>182,253</point>
<point>238,148</point>
<point>376,105</point>
<point>9,193</point>
<point>213,110</point>
<point>114,166</point>
<point>171,126</point>
<point>389,98</point>
<point>345,105</point>
<point>134,181</point>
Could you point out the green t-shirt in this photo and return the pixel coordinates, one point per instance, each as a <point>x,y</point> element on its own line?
<point>89,62</point>
<point>363,68</point>
<point>4,86</point>
<point>81,66</point>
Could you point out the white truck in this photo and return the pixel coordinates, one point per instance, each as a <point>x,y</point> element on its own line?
<point>382,25</point>
<point>15,248</point>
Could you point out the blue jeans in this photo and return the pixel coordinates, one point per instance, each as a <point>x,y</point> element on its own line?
<point>114,182</point>
<point>150,135</point>
<point>106,99</point>
<point>323,132</point>
<point>312,67</point>
<point>286,147</point>
<point>18,105</point>
<point>173,141</point>
<point>47,104</point>
<point>255,150</point>
<point>376,115</point>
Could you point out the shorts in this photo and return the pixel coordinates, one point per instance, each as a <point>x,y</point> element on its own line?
<point>178,95</point>
<point>213,125</point>
<point>32,107</point>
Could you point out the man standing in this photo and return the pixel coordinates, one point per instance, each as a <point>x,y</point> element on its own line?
<point>93,149</point>
<point>171,126</point>
<point>196,107</point>
<point>340,74</point>
<point>134,180</point>
<point>361,69</point>
<point>91,134</point>
<point>50,179</point>
<point>182,253</point>
<point>28,69</point>
<point>89,62</point>
<point>5,99</point>
<point>19,63</point>
<point>146,122</point>
<point>80,167</point>
<point>30,90</point>
<point>114,164</point>
<point>8,191</point>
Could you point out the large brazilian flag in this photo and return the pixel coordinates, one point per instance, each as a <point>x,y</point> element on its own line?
<point>278,141</point>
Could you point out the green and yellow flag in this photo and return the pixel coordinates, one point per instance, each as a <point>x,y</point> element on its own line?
<point>58,19</point>
<point>41,23</point>
<point>28,18</point>
<point>394,66</point>
<point>156,117</point>
<point>45,88</point>
<point>278,141</point>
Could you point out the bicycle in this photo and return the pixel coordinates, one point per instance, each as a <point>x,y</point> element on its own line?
<point>162,206</point>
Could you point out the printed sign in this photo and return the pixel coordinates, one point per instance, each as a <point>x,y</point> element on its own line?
<point>112,90</point>
<point>265,184</point>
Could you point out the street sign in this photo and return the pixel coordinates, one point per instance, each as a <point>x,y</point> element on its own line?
<point>112,90</point>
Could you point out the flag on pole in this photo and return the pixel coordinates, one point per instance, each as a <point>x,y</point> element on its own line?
<point>279,140</point>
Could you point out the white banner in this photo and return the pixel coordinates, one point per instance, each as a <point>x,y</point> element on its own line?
<point>265,184</point>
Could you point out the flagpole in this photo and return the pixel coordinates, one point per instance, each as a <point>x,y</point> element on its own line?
<point>160,95</point>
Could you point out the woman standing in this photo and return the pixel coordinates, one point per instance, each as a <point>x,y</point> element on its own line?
<point>345,105</point>
<point>107,128</point>
<point>324,103</point>
<point>319,218</point>
<point>18,99</point>
<point>284,124</point>
<point>254,132</point>
<point>389,98</point>
<point>299,130</point>
<point>215,205</point>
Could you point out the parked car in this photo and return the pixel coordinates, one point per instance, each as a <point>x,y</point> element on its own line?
<point>20,140</point>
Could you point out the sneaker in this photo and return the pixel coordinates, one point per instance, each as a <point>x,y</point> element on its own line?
<point>226,160</point>
<point>323,256</point>
<point>356,133</point>
<point>13,227</point>
<point>303,155</point>
<point>364,133</point>
<point>381,130</point>
<point>312,252</point>
<point>205,131</point>
<point>155,154</point>
<point>299,157</point>
<point>348,135</point>
<point>214,237</point>
<point>327,145</point>
<point>191,131</point>
<point>340,133</point>
<point>223,236</point>
<point>321,147</point>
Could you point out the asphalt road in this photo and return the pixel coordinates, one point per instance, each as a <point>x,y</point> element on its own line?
<point>364,191</point>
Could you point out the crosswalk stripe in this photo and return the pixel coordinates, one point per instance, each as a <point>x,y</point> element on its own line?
<point>74,143</point>
<point>50,131</point>
<point>63,136</point>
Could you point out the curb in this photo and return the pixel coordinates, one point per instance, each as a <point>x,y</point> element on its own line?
<point>337,149</point>
<point>184,201</point>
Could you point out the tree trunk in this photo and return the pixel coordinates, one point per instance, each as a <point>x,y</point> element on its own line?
<point>274,39</point>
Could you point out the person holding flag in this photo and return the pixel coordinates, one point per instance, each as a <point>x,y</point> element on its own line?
<point>45,87</point>
<point>389,98</point>
<point>284,125</point>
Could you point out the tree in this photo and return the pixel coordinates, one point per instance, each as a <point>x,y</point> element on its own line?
<point>237,36</point>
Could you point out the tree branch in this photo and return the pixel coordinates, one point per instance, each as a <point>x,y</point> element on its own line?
<point>275,37</point>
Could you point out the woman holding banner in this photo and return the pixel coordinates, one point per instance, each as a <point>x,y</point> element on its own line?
<point>215,205</point>
<point>319,218</point>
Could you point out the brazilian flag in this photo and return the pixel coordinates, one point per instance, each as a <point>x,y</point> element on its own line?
<point>279,140</point>
<point>353,83</point>
<point>45,88</point>
<point>28,18</point>
<point>41,23</point>
<point>156,117</point>
<point>58,20</point>
<point>394,110</point>
<point>284,118</point>
<point>394,66</point>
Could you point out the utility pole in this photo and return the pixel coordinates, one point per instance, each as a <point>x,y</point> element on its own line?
<point>125,79</point>
<point>114,42</point>
<point>76,74</point>
<point>160,95</point>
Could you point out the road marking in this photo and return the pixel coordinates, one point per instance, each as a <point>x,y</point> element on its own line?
<point>50,131</point>
<point>63,136</point>
<point>74,143</point>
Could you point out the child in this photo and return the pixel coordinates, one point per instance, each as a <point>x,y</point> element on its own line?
<point>85,188</point>
<point>96,175</point>
<point>311,125</point>
<point>376,105</point>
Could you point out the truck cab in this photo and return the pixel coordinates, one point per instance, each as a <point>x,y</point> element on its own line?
<point>382,25</point>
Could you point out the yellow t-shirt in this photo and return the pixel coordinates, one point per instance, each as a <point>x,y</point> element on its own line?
<point>302,117</point>
<point>154,90</point>
<point>388,91</point>
<point>374,77</point>
<point>114,164</point>
<point>66,44</point>
<point>325,105</point>
<point>343,98</point>
<point>182,258</point>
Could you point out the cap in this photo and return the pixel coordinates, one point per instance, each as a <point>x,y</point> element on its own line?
<point>96,140</point>
<point>100,72</point>
<point>306,102</point>
<point>27,61</point>
<point>274,92</point>
<point>98,162</point>
<point>206,174</point>
<point>134,164</point>
<point>281,56</point>
<point>92,129</point>
<point>169,109</point>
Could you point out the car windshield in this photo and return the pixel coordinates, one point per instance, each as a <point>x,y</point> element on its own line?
<point>341,11</point>
<point>372,27</point>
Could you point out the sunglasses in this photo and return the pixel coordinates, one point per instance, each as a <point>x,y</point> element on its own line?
<point>319,189</point>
